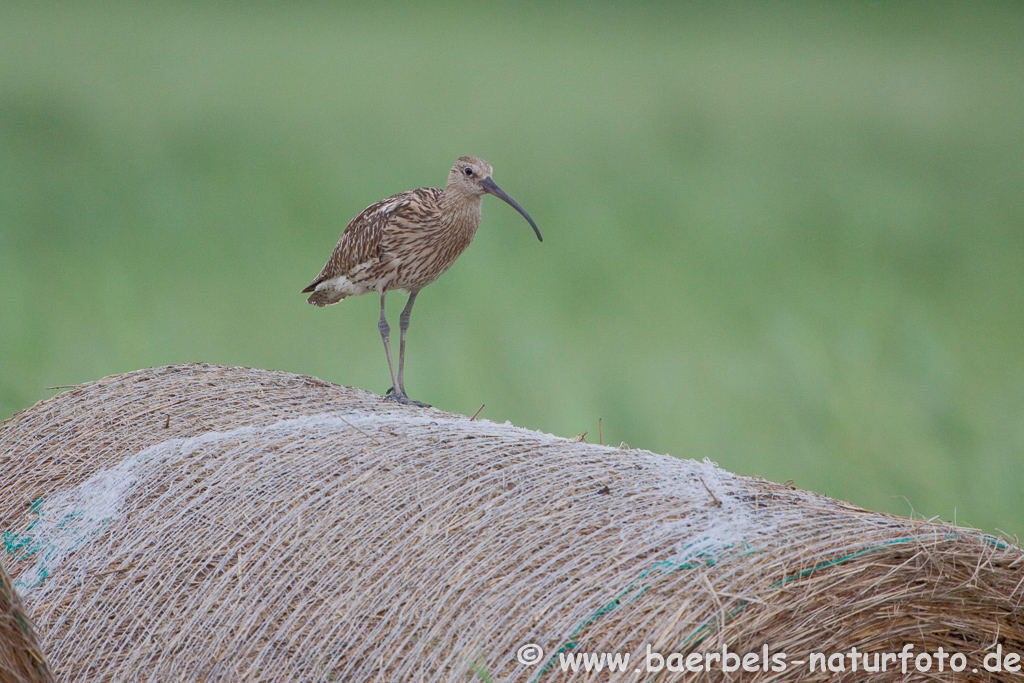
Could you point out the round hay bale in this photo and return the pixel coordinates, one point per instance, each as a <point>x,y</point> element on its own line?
<point>21,660</point>
<point>201,522</point>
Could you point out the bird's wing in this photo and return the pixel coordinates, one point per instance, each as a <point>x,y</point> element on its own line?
<point>366,236</point>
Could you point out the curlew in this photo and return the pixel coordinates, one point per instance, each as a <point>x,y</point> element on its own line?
<point>405,242</point>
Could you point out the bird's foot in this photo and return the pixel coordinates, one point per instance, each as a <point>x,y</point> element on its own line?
<point>400,397</point>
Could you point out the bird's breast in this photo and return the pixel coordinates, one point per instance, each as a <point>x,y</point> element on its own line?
<point>425,251</point>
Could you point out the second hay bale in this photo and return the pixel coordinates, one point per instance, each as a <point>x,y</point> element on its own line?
<point>21,659</point>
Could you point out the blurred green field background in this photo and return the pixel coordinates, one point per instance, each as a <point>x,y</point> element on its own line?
<point>788,237</point>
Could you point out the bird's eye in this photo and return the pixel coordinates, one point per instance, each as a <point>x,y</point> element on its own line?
<point>469,171</point>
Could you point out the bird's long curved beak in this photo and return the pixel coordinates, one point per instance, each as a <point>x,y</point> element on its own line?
<point>490,186</point>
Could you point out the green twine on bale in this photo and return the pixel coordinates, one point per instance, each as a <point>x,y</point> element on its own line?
<point>618,601</point>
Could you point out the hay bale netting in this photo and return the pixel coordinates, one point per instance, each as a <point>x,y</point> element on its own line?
<point>21,660</point>
<point>212,523</point>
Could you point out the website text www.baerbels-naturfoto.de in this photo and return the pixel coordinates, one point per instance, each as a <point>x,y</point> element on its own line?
<point>905,661</point>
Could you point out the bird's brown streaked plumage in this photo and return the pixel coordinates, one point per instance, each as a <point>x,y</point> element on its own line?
<point>405,242</point>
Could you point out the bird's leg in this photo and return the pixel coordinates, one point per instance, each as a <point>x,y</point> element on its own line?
<point>403,325</point>
<point>397,391</point>
<point>385,335</point>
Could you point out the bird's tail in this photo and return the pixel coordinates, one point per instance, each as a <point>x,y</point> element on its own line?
<point>325,297</point>
<point>322,297</point>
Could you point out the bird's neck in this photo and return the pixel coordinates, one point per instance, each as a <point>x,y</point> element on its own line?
<point>460,212</point>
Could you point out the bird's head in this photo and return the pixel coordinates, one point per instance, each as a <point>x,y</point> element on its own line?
<point>466,175</point>
<point>472,176</point>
